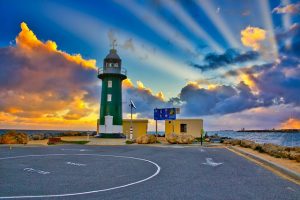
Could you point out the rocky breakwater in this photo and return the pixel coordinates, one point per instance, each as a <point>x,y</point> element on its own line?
<point>274,150</point>
<point>180,139</point>
<point>146,139</point>
<point>13,137</point>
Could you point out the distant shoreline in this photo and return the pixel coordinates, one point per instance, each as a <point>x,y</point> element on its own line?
<point>272,130</point>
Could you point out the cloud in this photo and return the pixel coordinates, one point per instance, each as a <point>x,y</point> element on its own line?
<point>261,85</point>
<point>288,9</point>
<point>255,118</point>
<point>292,31</point>
<point>231,56</point>
<point>252,37</point>
<point>43,85</point>
<point>197,101</point>
<point>291,123</point>
<point>27,42</point>
<point>144,99</point>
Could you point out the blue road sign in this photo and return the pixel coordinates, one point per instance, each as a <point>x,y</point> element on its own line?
<point>164,113</point>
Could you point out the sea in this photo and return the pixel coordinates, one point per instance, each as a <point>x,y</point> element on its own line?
<point>290,139</point>
<point>284,139</point>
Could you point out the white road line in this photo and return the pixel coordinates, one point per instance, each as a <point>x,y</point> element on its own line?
<point>88,192</point>
<point>210,162</point>
<point>36,171</point>
<point>75,150</point>
<point>75,164</point>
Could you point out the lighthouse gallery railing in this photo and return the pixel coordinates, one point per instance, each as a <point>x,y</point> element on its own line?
<point>101,70</point>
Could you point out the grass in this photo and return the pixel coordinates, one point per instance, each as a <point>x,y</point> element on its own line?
<point>75,142</point>
<point>129,142</point>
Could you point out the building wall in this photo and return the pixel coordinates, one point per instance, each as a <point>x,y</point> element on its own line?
<point>140,127</point>
<point>193,126</point>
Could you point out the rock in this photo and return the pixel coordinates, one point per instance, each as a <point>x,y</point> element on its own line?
<point>146,139</point>
<point>71,133</point>
<point>297,149</point>
<point>283,154</point>
<point>275,150</point>
<point>172,138</point>
<point>227,142</point>
<point>232,142</point>
<point>272,149</point>
<point>247,143</point>
<point>293,155</point>
<point>13,137</point>
<point>207,140</point>
<point>38,137</point>
<point>185,139</point>
<point>180,139</point>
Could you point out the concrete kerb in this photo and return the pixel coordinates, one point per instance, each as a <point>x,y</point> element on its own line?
<point>287,172</point>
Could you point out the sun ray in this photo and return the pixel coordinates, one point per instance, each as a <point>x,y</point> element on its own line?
<point>91,28</point>
<point>192,25</point>
<point>286,19</point>
<point>267,19</point>
<point>159,25</point>
<point>208,8</point>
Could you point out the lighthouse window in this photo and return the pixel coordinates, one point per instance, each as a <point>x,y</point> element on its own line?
<point>109,84</point>
<point>115,64</point>
<point>109,97</point>
<point>109,64</point>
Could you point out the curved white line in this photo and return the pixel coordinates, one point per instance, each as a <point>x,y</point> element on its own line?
<point>88,192</point>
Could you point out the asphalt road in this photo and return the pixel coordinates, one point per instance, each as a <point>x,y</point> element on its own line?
<point>136,172</point>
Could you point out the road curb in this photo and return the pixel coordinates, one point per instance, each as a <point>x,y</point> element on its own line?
<point>292,174</point>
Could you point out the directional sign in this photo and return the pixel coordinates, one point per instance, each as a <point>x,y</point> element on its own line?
<point>165,113</point>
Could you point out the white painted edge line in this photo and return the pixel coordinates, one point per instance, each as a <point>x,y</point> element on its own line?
<point>88,192</point>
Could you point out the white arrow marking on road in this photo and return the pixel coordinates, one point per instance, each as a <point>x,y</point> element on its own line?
<point>210,162</point>
<point>201,150</point>
<point>36,170</point>
<point>76,164</point>
<point>75,150</point>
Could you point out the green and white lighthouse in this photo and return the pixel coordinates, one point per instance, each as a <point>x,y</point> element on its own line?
<point>112,75</point>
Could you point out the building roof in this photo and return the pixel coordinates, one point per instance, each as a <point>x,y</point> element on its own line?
<point>112,55</point>
<point>186,119</point>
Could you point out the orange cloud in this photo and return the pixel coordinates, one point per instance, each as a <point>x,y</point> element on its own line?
<point>252,37</point>
<point>140,86</point>
<point>161,95</point>
<point>248,79</point>
<point>127,83</point>
<point>288,9</point>
<point>28,41</point>
<point>291,123</point>
<point>45,88</point>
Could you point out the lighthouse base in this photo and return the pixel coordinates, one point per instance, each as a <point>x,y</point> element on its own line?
<point>111,131</point>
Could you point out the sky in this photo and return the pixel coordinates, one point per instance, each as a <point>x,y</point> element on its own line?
<point>235,64</point>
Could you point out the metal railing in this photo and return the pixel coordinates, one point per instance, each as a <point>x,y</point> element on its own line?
<point>101,70</point>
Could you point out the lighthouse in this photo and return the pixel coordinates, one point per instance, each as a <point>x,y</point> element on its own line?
<point>112,75</point>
